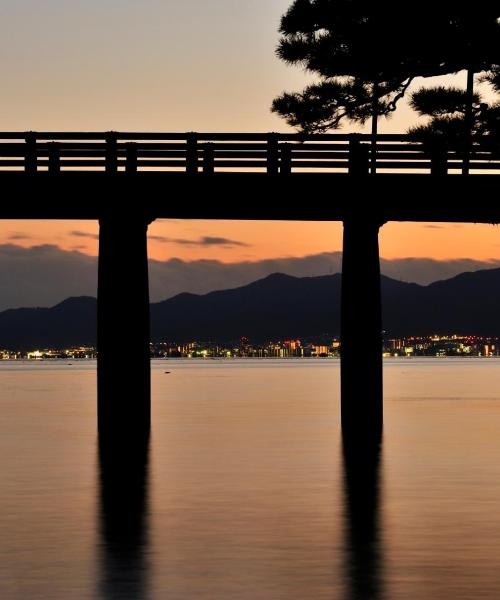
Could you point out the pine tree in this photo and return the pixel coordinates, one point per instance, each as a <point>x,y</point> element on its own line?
<point>360,74</point>
<point>457,116</point>
<point>493,77</point>
<point>448,126</point>
<point>446,108</point>
<point>366,61</point>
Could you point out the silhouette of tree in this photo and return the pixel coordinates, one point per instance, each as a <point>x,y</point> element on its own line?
<point>361,76</point>
<point>493,77</point>
<point>366,61</point>
<point>458,116</point>
<point>489,119</point>
<point>447,108</point>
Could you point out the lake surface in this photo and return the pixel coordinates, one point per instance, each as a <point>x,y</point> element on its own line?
<point>246,494</point>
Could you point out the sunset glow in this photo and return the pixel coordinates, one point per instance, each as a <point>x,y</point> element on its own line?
<point>190,66</point>
<point>236,241</point>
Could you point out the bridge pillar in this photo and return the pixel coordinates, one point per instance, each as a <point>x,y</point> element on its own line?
<point>123,329</point>
<point>361,333</point>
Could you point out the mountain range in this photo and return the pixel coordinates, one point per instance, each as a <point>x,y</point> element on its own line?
<point>276,307</point>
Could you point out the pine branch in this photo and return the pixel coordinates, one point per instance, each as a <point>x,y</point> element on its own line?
<point>441,101</point>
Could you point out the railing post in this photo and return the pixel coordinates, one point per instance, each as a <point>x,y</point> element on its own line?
<point>30,157</point>
<point>123,328</point>
<point>131,158</point>
<point>286,159</point>
<point>191,153</point>
<point>111,161</point>
<point>361,332</point>
<point>439,158</point>
<point>373,155</point>
<point>208,159</point>
<point>272,154</point>
<point>358,157</point>
<point>54,151</point>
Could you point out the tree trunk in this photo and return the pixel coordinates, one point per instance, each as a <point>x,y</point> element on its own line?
<point>468,122</point>
<point>373,162</point>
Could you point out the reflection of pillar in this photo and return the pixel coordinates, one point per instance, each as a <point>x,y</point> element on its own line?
<point>123,330</point>
<point>364,578</point>
<point>361,331</point>
<point>123,544</point>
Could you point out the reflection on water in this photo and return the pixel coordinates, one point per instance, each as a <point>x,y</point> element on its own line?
<point>363,552</point>
<point>124,520</point>
<point>247,491</point>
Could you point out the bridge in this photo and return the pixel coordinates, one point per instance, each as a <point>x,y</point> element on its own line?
<point>126,180</point>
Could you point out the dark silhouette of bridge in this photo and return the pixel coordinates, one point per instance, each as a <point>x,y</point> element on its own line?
<point>126,180</point>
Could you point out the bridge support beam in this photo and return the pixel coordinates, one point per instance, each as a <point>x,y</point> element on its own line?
<point>361,333</point>
<point>123,330</point>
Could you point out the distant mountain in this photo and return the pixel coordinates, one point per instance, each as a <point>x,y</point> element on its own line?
<point>73,321</point>
<point>276,307</point>
<point>281,306</point>
<point>272,308</point>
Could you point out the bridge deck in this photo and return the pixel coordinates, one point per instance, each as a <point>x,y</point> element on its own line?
<point>82,175</point>
<point>252,196</point>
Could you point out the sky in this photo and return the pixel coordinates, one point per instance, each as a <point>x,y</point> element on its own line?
<point>194,65</point>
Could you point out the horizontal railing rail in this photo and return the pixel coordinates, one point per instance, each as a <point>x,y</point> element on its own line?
<point>273,153</point>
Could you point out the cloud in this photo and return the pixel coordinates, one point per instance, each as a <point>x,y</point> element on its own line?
<point>44,275</point>
<point>173,276</point>
<point>220,241</point>
<point>16,236</point>
<point>203,241</point>
<point>427,270</point>
<point>84,234</point>
<point>159,238</point>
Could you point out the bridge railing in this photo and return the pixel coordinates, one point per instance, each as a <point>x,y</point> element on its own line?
<point>237,152</point>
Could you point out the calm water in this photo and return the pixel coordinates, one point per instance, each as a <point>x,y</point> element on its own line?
<point>246,495</point>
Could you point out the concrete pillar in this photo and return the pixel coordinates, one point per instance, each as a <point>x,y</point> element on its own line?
<point>361,332</point>
<point>123,329</point>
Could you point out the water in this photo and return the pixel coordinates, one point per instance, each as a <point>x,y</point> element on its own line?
<point>247,494</point>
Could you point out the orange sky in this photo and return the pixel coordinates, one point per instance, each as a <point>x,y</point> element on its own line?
<point>251,241</point>
<point>178,66</point>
